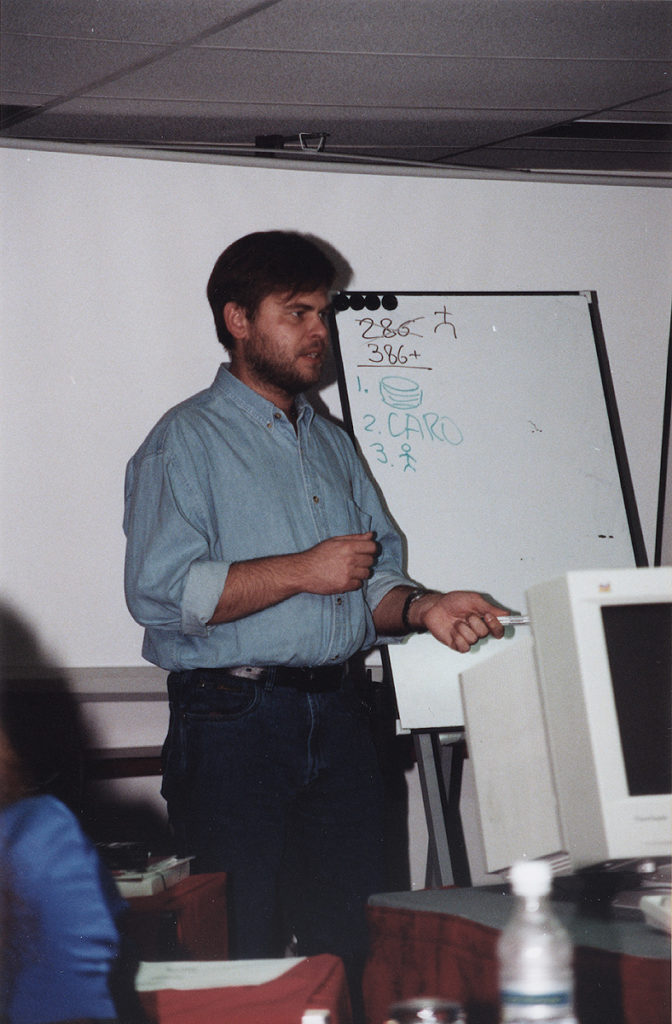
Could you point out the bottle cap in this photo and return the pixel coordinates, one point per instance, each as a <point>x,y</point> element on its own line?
<point>426,1010</point>
<point>530,877</point>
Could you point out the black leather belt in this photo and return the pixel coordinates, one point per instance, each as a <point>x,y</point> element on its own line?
<point>318,679</point>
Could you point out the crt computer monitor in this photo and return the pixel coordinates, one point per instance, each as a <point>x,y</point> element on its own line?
<point>570,729</point>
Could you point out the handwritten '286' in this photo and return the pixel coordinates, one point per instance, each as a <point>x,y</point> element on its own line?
<point>387,328</point>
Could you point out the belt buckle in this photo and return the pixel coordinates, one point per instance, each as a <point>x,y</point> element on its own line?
<point>322,678</point>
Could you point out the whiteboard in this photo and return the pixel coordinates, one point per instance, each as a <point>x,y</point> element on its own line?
<point>486,423</point>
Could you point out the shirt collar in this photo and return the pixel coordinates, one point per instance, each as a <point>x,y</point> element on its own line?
<point>254,404</point>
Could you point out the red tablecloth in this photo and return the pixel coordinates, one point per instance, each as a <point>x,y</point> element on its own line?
<point>417,952</point>
<point>316,983</point>
<point>190,917</point>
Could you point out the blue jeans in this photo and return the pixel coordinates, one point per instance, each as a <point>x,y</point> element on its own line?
<point>282,790</point>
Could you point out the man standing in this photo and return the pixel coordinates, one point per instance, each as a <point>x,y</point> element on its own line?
<point>259,561</point>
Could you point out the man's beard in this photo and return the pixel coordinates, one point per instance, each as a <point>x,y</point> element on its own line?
<point>274,370</point>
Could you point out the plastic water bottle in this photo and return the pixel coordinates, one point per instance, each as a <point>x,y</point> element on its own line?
<point>536,978</point>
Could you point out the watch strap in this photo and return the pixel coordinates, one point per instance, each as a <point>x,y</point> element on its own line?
<point>411,598</point>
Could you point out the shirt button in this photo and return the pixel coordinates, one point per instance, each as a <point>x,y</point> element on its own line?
<point>277,415</point>
<point>339,600</point>
<point>316,499</point>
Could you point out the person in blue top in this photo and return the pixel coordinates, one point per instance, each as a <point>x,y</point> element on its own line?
<point>59,909</point>
<point>260,561</point>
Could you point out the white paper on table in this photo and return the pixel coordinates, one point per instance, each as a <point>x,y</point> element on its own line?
<point>187,974</point>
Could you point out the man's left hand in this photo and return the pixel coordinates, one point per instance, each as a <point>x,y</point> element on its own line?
<point>458,619</point>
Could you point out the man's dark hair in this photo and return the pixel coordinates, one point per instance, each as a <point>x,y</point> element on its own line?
<point>260,264</point>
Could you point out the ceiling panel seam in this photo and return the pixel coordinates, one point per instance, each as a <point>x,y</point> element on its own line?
<point>172,48</point>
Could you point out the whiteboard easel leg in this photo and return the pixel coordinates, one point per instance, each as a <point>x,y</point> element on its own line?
<point>440,757</point>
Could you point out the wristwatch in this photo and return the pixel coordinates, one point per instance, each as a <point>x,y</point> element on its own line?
<point>411,598</point>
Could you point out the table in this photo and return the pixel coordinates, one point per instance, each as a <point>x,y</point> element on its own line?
<point>442,942</point>
<point>246,991</point>
<point>186,922</point>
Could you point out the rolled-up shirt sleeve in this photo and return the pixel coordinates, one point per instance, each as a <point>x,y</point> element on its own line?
<point>387,572</point>
<point>171,579</point>
<point>202,589</point>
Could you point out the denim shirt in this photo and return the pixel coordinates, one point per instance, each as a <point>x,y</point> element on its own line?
<point>223,477</point>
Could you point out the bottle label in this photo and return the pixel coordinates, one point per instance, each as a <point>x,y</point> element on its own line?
<point>515,999</point>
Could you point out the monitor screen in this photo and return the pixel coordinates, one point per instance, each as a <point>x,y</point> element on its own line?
<point>639,649</point>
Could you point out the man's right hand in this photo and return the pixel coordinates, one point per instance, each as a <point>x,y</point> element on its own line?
<point>339,564</point>
<point>333,566</point>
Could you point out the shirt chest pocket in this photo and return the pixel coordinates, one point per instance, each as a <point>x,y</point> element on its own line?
<point>340,516</point>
